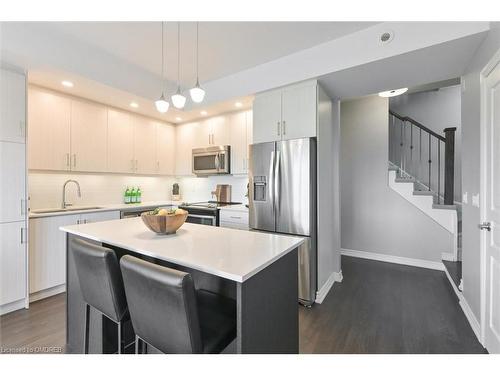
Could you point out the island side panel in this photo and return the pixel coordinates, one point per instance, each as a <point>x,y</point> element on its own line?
<point>267,309</point>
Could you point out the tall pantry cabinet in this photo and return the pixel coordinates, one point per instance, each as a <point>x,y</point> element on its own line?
<point>13,197</point>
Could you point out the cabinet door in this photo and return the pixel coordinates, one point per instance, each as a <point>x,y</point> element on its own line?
<point>12,182</point>
<point>144,145</point>
<point>165,149</point>
<point>249,119</point>
<point>202,133</point>
<point>12,262</point>
<point>89,132</point>
<point>94,217</point>
<point>238,134</point>
<point>120,142</point>
<point>299,111</point>
<point>49,117</point>
<point>267,117</point>
<point>47,251</point>
<point>185,135</point>
<point>219,129</point>
<point>13,106</point>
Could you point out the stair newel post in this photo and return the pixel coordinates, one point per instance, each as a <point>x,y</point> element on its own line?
<point>449,165</point>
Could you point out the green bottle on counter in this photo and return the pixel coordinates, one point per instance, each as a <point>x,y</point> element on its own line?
<point>133,196</point>
<point>139,195</point>
<point>126,196</point>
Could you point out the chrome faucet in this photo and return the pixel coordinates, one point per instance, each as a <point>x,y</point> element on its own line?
<point>64,204</point>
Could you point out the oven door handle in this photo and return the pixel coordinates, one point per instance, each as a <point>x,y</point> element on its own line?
<point>212,218</point>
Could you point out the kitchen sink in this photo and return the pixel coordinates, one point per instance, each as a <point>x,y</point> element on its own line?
<point>69,209</point>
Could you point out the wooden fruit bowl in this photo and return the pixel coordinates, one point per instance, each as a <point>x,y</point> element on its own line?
<point>164,224</point>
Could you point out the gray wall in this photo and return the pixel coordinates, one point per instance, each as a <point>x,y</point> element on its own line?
<point>471,169</point>
<point>328,188</point>
<point>437,110</point>
<point>374,218</point>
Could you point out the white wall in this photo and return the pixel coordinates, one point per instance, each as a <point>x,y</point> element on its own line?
<point>436,110</point>
<point>471,105</point>
<point>45,188</point>
<point>373,217</point>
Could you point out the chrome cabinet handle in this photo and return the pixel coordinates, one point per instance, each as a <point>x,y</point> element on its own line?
<point>23,235</point>
<point>67,160</point>
<point>74,160</point>
<point>485,226</point>
<point>284,127</point>
<point>235,217</point>
<point>279,128</point>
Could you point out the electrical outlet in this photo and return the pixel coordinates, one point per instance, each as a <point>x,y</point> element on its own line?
<point>475,200</point>
<point>465,198</point>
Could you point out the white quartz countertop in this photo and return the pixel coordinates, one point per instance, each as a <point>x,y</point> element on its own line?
<point>228,253</point>
<point>235,207</point>
<point>73,210</point>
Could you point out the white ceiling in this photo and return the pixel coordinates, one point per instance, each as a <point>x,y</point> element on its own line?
<point>225,47</point>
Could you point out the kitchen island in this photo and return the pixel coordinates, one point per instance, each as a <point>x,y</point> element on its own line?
<point>258,270</point>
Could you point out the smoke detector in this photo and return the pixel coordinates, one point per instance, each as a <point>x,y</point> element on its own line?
<point>386,37</point>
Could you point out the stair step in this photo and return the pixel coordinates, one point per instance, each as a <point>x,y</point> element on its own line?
<point>423,192</point>
<point>405,180</point>
<point>444,206</point>
<point>393,168</point>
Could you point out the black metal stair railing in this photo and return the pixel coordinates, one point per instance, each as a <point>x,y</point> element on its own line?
<point>418,152</point>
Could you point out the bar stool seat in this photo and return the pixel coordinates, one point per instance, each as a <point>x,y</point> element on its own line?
<point>170,315</point>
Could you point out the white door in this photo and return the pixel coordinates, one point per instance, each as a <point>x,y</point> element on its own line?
<point>165,149</point>
<point>13,106</point>
<point>238,131</point>
<point>299,111</point>
<point>492,210</point>
<point>49,117</point>
<point>267,117</point>
<point>12,182</point>
<point>12,262</point>
<point>89,132</point>
<point>144,145</point>
<point>120,142</point>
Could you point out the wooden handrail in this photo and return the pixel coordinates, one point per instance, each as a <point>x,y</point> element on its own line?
<point>418,125</point>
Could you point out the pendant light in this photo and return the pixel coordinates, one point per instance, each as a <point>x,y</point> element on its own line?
<point>197,93</point>
<point>162,104</point>
<point>178,100</point>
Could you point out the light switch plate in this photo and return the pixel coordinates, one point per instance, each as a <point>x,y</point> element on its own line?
<point>475,200</point>
<point>465,198</point>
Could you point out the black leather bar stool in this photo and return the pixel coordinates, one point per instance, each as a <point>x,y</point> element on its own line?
<point>101,285</point>
<point>170,315</point>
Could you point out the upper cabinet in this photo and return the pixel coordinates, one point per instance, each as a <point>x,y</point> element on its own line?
<point>145,145</point>
<point>165,149</point>
<point>186,138</point>
<point>49,117</point>
<point>240,125</point>
<point>89,134</point>
<point>286,113</point>
<point>13,106</point>
<point>120,142</point>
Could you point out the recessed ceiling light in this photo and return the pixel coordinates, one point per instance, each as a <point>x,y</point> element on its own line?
<point>203,113</point>
<point>134,105</point>
<point>67,83</point>
<point>388,94</point>
<point>238,104</point>
<point>178,119</point>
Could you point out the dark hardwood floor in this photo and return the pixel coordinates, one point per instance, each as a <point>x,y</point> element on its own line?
<point>387,308</point>
<point>378,308</point>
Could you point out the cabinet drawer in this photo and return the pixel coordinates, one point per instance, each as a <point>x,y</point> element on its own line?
<point>232,216</point>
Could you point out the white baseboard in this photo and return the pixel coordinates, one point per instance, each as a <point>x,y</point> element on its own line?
<point>394,259</point>
<point>448,256</point>
<point>13,306</point>
<point>323,291</point>
<point>474,323</point>
<point>47,293</point>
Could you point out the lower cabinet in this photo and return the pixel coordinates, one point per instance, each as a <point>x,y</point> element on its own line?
<point>12,265</point>
<point>47,250</point>
<point>232,218</point>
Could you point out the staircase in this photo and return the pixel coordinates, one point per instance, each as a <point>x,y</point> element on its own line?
<point>421,170</point>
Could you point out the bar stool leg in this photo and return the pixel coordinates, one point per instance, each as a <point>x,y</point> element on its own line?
<point>86,330</point>
<point>119,337</point>
<point>137,343</point>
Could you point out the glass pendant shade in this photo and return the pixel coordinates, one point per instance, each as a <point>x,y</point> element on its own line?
<point>162,105</point>
<point>197,93</point>
<point>178,100</point>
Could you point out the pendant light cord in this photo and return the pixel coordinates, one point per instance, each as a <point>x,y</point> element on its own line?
<point>178,55</point>
<point>197,54</point>
<point>162,57</point>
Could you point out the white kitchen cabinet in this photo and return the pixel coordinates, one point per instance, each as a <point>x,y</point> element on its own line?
<point>12,182</point>
<point>234,218</point>
<point>47,249</point>
<point>12,262</point>
<point>286,113</point>
<point>298,111</point>
<point>49,118</point>
<point>165,149</point>
<point>239,142</point>
<point>267,117</point>
<point>89,132</point>
<point>220,131</point>
<point>186,137</point>
<point>144,145</point>
<point>13,106</point>
<point>120,142</point>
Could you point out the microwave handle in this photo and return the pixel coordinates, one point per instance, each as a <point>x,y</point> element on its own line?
<point>217,161</point>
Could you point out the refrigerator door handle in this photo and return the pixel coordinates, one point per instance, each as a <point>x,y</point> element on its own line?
<point>277,182</point>
<point>271,178</point>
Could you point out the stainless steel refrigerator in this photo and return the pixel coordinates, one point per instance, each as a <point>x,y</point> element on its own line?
<point>282,199</point>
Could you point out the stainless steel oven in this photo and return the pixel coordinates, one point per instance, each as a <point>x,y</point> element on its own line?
<point>211,160</point>
<point>202,219</point>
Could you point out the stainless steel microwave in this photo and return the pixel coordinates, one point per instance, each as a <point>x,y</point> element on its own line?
<point>212,160</point>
